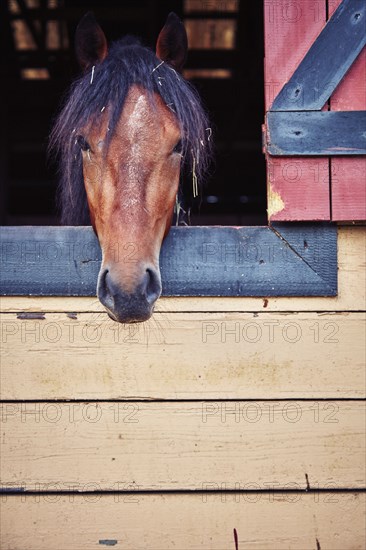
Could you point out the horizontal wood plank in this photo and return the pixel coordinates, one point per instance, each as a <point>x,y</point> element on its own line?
<point>182,446</point>
<point>185,522</point>
<point>351,291</point>
<point>316,133</point>
<point>183,356</point>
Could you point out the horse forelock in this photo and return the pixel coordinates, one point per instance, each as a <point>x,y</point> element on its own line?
<point>106,86</point>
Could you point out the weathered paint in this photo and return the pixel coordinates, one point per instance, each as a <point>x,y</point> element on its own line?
<point>302,183</point>
<point>188,521</point>
<point>321,189</point>
<point>348,175</point>
<point>319,73</point>
<point>195,445</point>
<point>298,133</point>
<point>275,202</point>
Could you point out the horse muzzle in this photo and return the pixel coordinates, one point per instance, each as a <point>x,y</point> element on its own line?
<point>129,306</point>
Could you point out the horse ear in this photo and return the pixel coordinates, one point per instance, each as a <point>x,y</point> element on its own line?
<point>90,42</point>
<point>172,44</point>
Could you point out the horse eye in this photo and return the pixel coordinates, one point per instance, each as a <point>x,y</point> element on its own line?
<point>178,148</point>
<point>83,144</point>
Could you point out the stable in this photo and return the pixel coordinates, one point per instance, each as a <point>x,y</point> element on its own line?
<point>235,416</point>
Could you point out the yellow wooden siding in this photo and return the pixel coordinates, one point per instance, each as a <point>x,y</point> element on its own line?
<point>184,356</point>
<point>325,521</point>
<point>187,446</point>
<point>259,396</point>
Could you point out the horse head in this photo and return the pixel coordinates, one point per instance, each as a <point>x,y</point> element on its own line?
<point>135,123</point>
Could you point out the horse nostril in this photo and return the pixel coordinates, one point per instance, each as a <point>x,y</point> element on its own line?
<point>104,290</point>
<point>133,305</point>
<point>103,281</point>
<point>151,285</point>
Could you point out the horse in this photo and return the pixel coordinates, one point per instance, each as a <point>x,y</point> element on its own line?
<point>130,127</point>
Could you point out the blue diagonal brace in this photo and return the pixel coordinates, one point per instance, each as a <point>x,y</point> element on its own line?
<point>327,61</point>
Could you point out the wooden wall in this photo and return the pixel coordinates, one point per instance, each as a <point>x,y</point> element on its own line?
<point>218,414</point>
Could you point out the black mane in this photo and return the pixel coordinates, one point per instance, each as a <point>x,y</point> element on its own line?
<point>107,84</point>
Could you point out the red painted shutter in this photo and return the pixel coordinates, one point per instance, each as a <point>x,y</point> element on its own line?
<point>311,188</point>
<point>348,175</point>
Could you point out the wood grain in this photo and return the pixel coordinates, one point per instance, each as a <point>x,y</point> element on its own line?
<point>184,356</point>
<point>185,522</point>
<point>186,446</point>
<point>306,133</point>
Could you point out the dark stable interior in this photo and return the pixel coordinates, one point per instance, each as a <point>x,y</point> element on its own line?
<point>225,63</point>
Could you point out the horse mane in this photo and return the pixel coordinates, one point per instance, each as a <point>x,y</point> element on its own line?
<point>107,84</point>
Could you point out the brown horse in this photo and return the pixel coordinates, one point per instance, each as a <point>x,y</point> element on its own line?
<point>130,125</point>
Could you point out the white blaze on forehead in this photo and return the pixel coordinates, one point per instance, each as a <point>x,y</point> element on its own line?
<point>143,127</point>
<point>135,124</point>
<point>138,116</point>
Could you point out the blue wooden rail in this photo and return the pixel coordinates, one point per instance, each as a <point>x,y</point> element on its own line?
<point>280,260</point>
